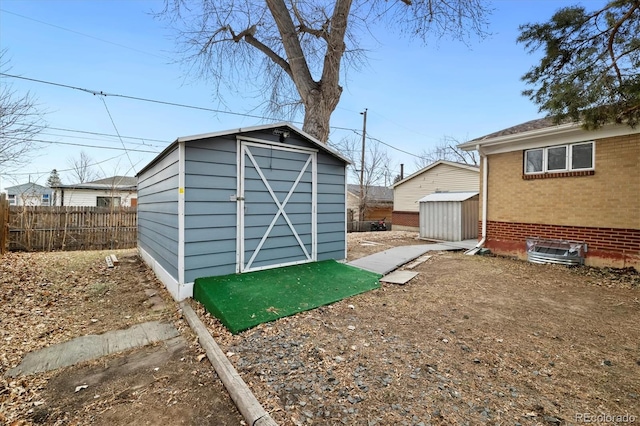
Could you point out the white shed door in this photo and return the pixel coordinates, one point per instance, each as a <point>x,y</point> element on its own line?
<point>277,206</point>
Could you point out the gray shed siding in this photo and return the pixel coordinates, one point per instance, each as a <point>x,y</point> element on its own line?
<point>210,217</point>
<point>449,220</point>
<point>158,212</point>
<point>331,213</point>
<point>210,220</point>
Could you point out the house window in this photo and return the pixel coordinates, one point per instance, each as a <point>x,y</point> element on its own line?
<point>533,160</point>
<point>582,156</point>
<point>12,199</point>
<point>108,201</point>
<point>560,158</point>
<point>45,200</point>
<point>557,159</point>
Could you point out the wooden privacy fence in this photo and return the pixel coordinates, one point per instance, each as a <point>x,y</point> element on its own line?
<point>71,228</point>
<point>4,223</point>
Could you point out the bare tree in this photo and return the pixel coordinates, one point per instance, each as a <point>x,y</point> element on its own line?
<point>293,50</point>
<point>447,149</point>
<point>20,122</point>
<point>82,168</point>
<point>375,171</point>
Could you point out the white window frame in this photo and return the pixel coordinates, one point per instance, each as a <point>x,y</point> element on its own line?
<point>111,201</point>
<point>46,199</point>
<point>566,159</point>
<point>12,199</point>
<point>569,159</point>
<point>525,161</point>
<point>593,156</point>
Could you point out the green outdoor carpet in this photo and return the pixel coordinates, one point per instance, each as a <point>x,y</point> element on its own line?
<point>242,301</point>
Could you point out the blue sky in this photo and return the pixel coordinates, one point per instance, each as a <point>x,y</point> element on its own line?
<point>416,95</point>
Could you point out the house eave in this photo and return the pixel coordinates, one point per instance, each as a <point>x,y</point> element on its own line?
<point>554,135</point>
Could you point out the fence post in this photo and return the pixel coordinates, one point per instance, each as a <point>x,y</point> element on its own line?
<point>4,223</point>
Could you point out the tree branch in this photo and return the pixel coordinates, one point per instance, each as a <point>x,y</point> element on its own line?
<point>300,72</point>
<point>612,36</point>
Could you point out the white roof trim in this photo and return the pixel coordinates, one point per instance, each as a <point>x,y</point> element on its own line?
<point>448,196</point>
<point>323,146</point>
<point>553,135</point>
<point>432,165</point>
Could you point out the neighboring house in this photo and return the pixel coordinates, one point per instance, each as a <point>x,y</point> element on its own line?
<point>117,191</point>
<point>239,201</point>
<point>29,194</point>
<point>441,176</point>
<point>564,183</point>
<point>379,203</point>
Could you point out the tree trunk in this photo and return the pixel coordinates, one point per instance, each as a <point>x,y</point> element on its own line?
<point>319,98</point>
<point>317,112</point>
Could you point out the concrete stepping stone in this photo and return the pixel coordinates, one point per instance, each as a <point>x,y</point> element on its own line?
<point>93,346</point>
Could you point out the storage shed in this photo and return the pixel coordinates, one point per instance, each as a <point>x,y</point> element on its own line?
<point>238,201</point>
<point>449,216</point>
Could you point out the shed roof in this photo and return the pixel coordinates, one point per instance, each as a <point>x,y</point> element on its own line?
<point>448,196</point>
<point>320,145</point>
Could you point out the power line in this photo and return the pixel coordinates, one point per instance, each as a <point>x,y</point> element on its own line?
<point>61,170</point>
<point>156,101</point>
<point>117,132</point>
<point>87,138</point>
<point>93,146</point>
<point>100,93</point>
<point>85,35</point>
<point>102,134</point>
<point>136,98</point>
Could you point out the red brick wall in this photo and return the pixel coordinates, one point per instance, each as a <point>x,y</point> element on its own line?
<point>406,218</point>
<point>605,246</point>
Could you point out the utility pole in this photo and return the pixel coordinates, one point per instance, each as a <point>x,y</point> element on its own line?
<point>362,195</point>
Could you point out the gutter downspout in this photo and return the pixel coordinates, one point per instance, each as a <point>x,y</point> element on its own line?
<point>485,191</point>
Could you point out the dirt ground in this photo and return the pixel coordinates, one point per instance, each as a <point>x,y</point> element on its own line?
<point>470,340</point>
<point>49,298</point>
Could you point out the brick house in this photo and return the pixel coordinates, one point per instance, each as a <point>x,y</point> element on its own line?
<point>441,176</point>
<point>562,182</point>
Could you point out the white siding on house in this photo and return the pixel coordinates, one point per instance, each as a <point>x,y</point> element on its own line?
<point>89,197</point>
<point>442,177</point>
